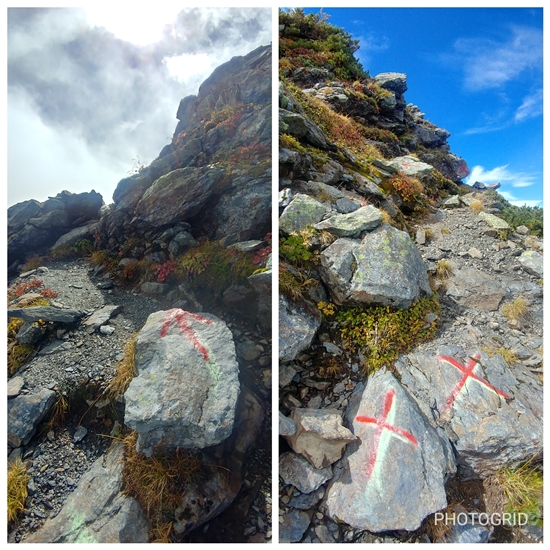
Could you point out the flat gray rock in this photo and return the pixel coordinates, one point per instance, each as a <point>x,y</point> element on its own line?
<point>46,314</point>
<point>296,470</point>
<point>25,412</point>
<point>186,389</point>
<point>394,475</point>
<point>365,218</point>
<point>100,317</point>
<point>97,511</point>
<point>492,413</point>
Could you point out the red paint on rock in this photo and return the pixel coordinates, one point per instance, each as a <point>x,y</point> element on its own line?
<point>181,317</point>
<point>382,425</point>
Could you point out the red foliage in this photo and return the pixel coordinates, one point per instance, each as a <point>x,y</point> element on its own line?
<point>164,270</point>
<point>49,293</point>
<point>23,288</point>
<point>261,255</point>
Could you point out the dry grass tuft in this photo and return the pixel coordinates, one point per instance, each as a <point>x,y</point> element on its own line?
<point>477,206</point>
<point>443,270</point>
<point>126,370</point>
<point>17,489</point>
<point>158,482</point>
<point>517,310</point>
<point>523,490</point>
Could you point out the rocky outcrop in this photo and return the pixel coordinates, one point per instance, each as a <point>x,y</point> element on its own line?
<point>186,388</point>
<point>34,226</point>
<point>215,175</point>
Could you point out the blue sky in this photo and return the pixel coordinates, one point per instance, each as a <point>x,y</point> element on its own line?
<point>477,72</point>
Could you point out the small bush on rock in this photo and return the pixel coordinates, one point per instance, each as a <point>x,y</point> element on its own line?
<point>158,482</point>
<point>517,310</point>
<point>381,334</point>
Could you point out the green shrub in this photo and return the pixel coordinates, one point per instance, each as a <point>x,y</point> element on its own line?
<point>293,249</point>
<point>381,333</point>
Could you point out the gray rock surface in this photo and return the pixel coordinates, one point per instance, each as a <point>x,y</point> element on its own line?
<point>392,431</point>
<point>384,268</point>
<point>25,412</point>
<point>353,224</point>
<point>303,210</point>
<point>97,511</point>
<point>187,385</point>
<point>319,436</point>
<point>297,327</point>
<point>100,317</point>
<point>293,526</point>
<point>532,262</point>
<point>462,394</point>
<point>46,314</point>
<point>297,471</point>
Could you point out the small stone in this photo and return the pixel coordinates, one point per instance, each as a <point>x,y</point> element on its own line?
<point>80,434</point>
<point>107,330</point>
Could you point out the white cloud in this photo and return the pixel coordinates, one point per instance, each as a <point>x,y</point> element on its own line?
<point>489,64</point>
<point>502,175</point>
<point>512,199</point>
<point>531,106</point>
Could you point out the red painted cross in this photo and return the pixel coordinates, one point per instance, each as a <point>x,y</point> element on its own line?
<point>181,317</point>
<point>381,425</point>
<point>467,372</point>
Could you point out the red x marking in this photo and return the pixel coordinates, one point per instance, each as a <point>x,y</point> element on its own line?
<point>181,317</point>
<point>382,425</point>
<point>467,372</point>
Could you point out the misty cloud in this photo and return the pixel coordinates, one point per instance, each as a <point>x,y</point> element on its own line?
<point>75,87</point>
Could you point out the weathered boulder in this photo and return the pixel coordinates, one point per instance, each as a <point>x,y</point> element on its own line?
<point>532,262</point>
<point>293,526</point>
<point>97,511</point>
<point>178,195</point>
<point>367,490</point>
<point>186,389</point>
<point>492,413</point>
<point>353,224</point>
<point>319,436</point>
<point>395,82</point>
<point>34,226</point>
<point>384,268</point>
<point>297,471</point>
<point>303,210</point>
<point>494,221</point>
<point>297,327</point>
<point>408,165</point>
<point>100,317</point>
<point>25,412</point>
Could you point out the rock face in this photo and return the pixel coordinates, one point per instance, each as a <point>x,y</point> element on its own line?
<point>97,511</point>
<point>472,390</point>
<point>297,327</point>
<point>25,412</point>
<point>219,162</point>
<point>187,385</point>
<point>384,268</point>
<point>392,431</point>
<point>34,226</point>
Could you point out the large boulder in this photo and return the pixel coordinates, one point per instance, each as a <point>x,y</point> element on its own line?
<point>492,413</point>
<point>394,475</point>
<point>384,268</point>
<point>97,511</point>
<point>187,384</point>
